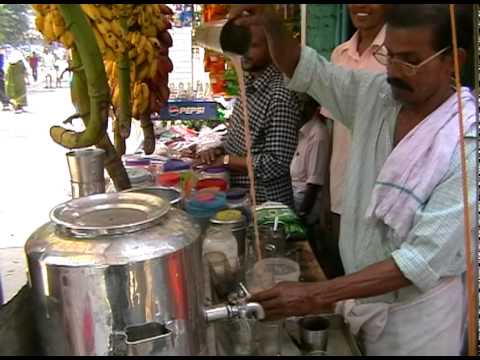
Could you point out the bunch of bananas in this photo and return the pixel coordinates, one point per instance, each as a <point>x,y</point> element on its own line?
<point>145,39</point>
<point>50,23</point>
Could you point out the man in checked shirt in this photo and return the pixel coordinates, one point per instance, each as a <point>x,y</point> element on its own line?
<point>274,114</point>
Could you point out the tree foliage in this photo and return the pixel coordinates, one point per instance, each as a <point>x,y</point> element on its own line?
<point>14,20</point>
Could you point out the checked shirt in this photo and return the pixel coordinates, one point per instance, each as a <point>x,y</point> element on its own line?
<point>274,113</point>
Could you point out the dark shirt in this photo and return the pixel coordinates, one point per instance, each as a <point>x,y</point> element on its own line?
<point>274,113</point>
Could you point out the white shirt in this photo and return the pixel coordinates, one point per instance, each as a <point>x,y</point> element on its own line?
<point>309,163</point>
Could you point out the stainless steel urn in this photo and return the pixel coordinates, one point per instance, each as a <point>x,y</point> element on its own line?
<point>120,274</point>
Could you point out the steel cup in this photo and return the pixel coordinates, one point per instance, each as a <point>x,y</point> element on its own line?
<point>86,168</point>
<point>223,36</point>
<point>314,333</point>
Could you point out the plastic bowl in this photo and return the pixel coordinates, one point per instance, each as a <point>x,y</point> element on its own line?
<point>219,184</point>
<point>169,179</point>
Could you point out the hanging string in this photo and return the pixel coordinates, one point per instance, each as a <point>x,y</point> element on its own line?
<point>471,296</point>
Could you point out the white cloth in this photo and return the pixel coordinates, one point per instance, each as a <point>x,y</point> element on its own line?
<point>417,165</point>
<point>339,163</point>
<point>431,325</point>
<point>308,165</point>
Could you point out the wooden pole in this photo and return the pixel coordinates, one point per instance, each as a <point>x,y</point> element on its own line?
<point>471,296</point>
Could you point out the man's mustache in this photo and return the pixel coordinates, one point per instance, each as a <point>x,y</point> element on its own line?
<point>400,84</point>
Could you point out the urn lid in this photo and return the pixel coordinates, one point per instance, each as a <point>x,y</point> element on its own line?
<point>108,214</point>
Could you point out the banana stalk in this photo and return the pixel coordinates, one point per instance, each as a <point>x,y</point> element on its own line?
<point>125,112</point>
<point>81,102</point>
<point>96,79</point>
<point>148,134</point>
<point>119,141</point>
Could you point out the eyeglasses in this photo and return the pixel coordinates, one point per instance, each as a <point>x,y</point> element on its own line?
<point>381,55</point>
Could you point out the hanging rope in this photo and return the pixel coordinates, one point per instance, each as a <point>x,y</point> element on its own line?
<point>471,298</point>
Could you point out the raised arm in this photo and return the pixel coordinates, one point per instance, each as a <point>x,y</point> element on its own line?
<point>339,90</point>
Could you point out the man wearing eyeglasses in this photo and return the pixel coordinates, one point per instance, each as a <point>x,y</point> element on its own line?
<point>402,230</point>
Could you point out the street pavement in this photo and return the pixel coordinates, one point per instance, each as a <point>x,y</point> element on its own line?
<point>34,176</point>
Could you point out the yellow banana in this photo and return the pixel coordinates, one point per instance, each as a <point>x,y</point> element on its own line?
<point>148,45</point>
<point>140,57</point>
<point>40,23</point>
<point>143,72</point>
<point>147,16</point>
<point>105,11</point>
<point>141,18</point>
<point>150,58</point>
<point>142,42</point>
<point>108,68</point>
<point>58,30</point>
<point>160,24</point>
<point>103,26</point>
<point>149,30</point>
<point>133,73</point>
<point>68,39</point>
<point>116,96</point>
<point>100,41</point>
<point>132,53</point>
<point>117,29</point>
<point>130,37</point>
<point>134,90</point>
<point>58,18</point>
<point>109,54</point>
<point>114,71</point>
<point>155,42</point>
<point>112,42</point>
<point>48,28</point>
<point>156,10</point>
<point>39,8</point>
<point>91,11</point>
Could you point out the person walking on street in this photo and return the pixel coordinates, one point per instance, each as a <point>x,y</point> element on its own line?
<point>50,71</point>
<point>3,96</point>
<point>33,61</point>
<point>16,81</point>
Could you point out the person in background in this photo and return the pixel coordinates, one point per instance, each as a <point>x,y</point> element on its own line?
<point>275,115</point>
<point>308,171</point>
<point>403,231</point>
<point>50,71</point>
<point>16,84</point>
<point>356,53</point>
<point>308,167</point>
<point>33,61</point>
<point>3,96</point>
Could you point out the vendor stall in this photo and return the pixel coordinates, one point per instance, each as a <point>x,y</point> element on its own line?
<point>160,254</point>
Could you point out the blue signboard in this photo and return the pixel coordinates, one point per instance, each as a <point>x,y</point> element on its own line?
<point>189,110</point>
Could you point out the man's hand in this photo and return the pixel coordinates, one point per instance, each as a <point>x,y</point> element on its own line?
<point>298,299</point>
<point>284,50</point>
<point>210,156</point>
<point>291,299</point>
<point>251,14</point>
